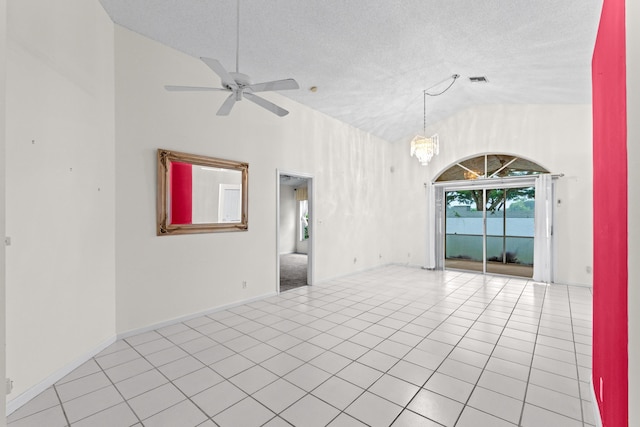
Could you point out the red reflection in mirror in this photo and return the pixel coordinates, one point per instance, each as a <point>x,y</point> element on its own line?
<point>180,193</point>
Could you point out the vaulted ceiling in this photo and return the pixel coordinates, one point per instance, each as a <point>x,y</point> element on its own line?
<point>371,60</point>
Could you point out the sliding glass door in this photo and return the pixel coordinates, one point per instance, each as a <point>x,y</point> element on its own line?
<point>464,230</point>
<point>495,238</point>
<point>510,231</point>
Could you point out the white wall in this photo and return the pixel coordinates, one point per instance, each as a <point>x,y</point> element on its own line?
<point>160,278</point>
<point>60,212</point>
<point>633,153</point>
<point>557,137</point>
<point>288,219</point>
<point>3,64</point>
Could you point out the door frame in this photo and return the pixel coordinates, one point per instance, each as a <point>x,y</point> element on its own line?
<point>311,209</point>
<point>440,206</point>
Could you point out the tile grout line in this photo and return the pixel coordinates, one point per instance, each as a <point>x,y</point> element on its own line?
<point>533,354</point>
<point>575,353</point>
<point>341,411</point>
<point>287,307</point>
<point>406,407</point>
<point>466,403</point>
<point>64,412</point>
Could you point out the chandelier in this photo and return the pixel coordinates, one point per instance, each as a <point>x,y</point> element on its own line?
<point>423,147</point>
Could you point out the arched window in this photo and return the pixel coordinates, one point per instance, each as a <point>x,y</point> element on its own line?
<point>490,166</point>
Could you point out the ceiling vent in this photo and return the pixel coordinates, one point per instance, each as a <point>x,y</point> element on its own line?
<point>478,79</point>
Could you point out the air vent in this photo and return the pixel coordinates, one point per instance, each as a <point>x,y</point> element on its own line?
<point>478,79</point>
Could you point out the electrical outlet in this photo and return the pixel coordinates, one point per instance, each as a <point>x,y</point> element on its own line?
<point>9,385</point>
<point>7,241</point>
<point>355,260</point>
<point>244,284</point>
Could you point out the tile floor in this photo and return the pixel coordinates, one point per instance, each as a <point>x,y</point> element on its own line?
<point>394,346</point>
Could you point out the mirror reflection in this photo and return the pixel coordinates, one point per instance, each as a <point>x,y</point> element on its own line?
<point>199,194</point>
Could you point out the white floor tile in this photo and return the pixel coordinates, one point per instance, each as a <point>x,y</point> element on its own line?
<point>395,390</point>
<point>281,364</point>
<point>344,420</point>
<point>232,365</point>
<point>554,382</point>
<point>450,387</point>
<point>503,384</point>
<point>119,415</point>
<point>459,370</point>
<point>218,398</point>
<point>366,344</point>
<point>310,412</point>
<point>533,416</point>
<point>181,367</point>
<point>338,392</point>
<point>361,375</point>
<point>471,417</point>
<point>511,369</point>
<point>307,377</point>
<point>278,395</point>
<point>141,383</point>
<point>128,369</point>
<point>497,404</point>
<point>155,401</point>
<point>330,362</point>
<point>378,360</point>
<point>45,400</point>
<point>410,419</point>
<point>87,368</point>
<point>253,379</point>
<point>246,413</point>
<point>436,407</point>
<point>554,401</point>
<point>373,410</point>
<point>91,403</point>
<point>52,417</point>
<point>305,351</point>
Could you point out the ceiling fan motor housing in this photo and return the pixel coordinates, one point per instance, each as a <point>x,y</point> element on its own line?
<point>240,79</point>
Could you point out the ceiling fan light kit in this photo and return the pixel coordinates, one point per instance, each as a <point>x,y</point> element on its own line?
<point>239,84</point>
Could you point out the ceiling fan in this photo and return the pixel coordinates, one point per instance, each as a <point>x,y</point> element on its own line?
<point>240,84</point>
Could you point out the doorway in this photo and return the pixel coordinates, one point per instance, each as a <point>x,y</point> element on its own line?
<point>490,230</point>
<point>294,231</point>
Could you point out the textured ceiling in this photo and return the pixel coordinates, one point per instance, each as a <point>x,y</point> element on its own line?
<point>372,59</point>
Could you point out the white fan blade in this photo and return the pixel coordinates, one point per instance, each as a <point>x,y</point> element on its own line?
<point>286,84</point>
<point>217,68</point>
<point>227,105</point>
<point>266,104</point>
<point>192,88</point>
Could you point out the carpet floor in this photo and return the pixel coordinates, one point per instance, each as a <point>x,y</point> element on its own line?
<point>293,271</point>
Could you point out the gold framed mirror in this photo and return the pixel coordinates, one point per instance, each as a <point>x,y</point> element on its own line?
<point>200,194</point>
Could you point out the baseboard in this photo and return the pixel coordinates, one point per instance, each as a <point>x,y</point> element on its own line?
<point>353,273</point>
<point>184,318</point>
<point>594,405</point>
<point>18,401</point>
<point>29,394</point>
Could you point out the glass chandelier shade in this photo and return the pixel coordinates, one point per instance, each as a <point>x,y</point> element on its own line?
<point>425,148</point>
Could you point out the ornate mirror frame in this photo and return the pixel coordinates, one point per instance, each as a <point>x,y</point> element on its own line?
<point>163,225</point>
